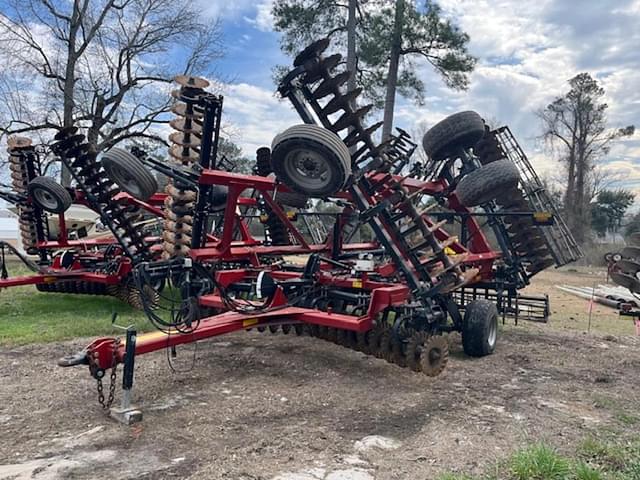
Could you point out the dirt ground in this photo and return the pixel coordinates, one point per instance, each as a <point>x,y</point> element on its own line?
<point>261,406</point>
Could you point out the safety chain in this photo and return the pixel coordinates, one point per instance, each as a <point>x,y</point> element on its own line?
<point>112,380</point>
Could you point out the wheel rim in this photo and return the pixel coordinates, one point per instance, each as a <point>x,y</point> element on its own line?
<point>493,333</point>
<point>126,181</point>
<point>45,199</point>
<point>308,168</point>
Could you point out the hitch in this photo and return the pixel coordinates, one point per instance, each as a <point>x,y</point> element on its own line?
<point>128,413</point>
<point>80,358</point>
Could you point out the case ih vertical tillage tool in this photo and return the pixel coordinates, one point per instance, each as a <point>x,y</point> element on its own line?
<point>67,261</point>
<point>394,297</point>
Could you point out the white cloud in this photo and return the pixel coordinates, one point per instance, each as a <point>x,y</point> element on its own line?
<point>527,52</point>
<point>254,116</point>
<point>256,13</point>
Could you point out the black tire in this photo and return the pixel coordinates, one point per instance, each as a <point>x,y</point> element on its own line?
<point>129,173</point>
<point>263,162</point>
<point>487,182</point>
<point>460,130</point>
<point>311,160</point>
<point>218,197</point>
<point>263,168</point>
<point>480,328</point>
<point>49,195</point>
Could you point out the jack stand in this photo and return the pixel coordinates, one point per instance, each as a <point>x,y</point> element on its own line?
<point>127,413</point>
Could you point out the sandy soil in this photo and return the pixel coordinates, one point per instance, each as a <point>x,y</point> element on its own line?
<point>261,406</point>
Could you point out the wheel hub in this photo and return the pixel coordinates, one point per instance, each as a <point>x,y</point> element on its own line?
<point>45,199</point>
<point>128,181</point>
<point>308,168</point>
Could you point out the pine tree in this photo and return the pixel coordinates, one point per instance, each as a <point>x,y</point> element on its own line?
<point>392,39</point>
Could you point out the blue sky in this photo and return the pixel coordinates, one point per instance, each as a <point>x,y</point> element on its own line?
<point>527,51</point>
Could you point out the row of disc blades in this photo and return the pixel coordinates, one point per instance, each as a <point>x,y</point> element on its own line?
<point>527,239</point>
<point>18,149</point>
<point>184,151</point>
<point>101,190</point>
<point>337,112</point>
<point>407,348</point>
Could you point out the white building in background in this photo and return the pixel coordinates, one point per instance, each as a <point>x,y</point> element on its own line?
<point>9,231</point>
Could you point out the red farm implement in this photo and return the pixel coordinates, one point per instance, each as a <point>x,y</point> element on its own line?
<point>68,260</point>
<point>392,297</point>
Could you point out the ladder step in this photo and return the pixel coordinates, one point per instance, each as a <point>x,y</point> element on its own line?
<point>427,209</point>
<point>414,228</point>
<point>422,245</point>
<point>455,262</point>
<point>437,226</point>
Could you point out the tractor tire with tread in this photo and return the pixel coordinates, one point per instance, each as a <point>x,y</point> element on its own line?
<point>487,182</point>
<point>49,195</point>
<point>129,173</point>
<point>480,328</point>
<point>322,150</point>
<point>460,130</point>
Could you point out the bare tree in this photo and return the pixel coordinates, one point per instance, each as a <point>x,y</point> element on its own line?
<point>575,125</point>
<point>98,64</point>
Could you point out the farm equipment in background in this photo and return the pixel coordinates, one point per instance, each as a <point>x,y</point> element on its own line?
<point>69,259</point>
<point>624,270</point>
<point>393,297</point>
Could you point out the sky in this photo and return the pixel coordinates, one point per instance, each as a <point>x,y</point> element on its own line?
<point>527,51</point>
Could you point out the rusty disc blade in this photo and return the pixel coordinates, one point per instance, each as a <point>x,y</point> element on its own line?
<point>183,110</point>
<point>179,139</point>
<point>14,142</point>
<point>186,126</point>
<point>313,50</point>
<point>191,82</point>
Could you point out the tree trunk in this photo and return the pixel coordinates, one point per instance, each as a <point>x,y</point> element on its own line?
<point>351,46</point>
<point>351,67</point>
<point>569,205</point>
<point>68,105</point>
<point>580,206</point>
<point>70,82</point>
<point>351,57</point>
<point>392,75</point>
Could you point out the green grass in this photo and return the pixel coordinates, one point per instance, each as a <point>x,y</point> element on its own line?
<point>454,476</point>
<point>595,459</point>
<point>614,456</point>
<point>29,316</point>
<point>627,418</point>
<point>584,471</point>
<point>539,462</point>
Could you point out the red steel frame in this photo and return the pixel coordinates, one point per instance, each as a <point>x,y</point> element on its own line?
<point>100,353</point>
<point>479,253</point>
<point>87,251</point>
